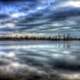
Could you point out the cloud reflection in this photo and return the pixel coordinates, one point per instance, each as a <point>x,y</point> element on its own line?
<point>39,55</point>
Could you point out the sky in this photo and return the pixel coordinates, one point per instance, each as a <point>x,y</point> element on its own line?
<point>40,16</point>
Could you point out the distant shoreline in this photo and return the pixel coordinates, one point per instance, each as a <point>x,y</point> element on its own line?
<point>38,38</point>
<point>35,36</point>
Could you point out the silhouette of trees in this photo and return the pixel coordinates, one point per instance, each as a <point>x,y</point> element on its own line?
<point>64,37</point>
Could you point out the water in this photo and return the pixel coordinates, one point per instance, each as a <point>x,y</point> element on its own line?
<point>40,56</point>
<point>44,16</point>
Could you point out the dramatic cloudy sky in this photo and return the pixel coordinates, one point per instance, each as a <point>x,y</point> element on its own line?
<point>40,16</point>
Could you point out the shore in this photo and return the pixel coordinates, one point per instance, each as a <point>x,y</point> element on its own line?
<point>17,36</point>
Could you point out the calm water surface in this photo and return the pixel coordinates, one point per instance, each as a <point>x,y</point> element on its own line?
<point>40,55</point>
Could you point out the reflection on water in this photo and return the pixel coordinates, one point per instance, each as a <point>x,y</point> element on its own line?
<point>39,56</point>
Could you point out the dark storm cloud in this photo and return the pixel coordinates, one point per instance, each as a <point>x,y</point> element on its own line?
<point>66,13</point>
